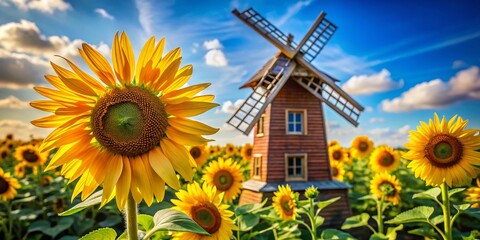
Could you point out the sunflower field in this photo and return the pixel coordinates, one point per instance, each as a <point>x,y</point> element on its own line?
<point>126,161</point>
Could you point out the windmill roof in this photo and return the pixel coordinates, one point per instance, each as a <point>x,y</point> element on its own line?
<point>259,186</point>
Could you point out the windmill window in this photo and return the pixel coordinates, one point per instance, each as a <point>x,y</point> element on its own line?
<point>260,126</point>
<point>296,123</point>
<point>257,165</point>
<point>295,167</point>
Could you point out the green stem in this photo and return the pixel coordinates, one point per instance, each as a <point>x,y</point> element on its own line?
<point>131,218</point>
<point>446,212</point>
<point>312,220</point>
<point>275,234</point>
<point>238,225</point>
<point>39,191</point>
<point>380,214</point>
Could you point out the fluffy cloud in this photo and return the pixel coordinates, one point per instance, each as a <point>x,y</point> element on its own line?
<point>104,13</point>
<point>230,107</point>
<point>45,6</point>
<point>436,93</point>
<point>368,84</point>
<point>214,56</point>
<point>22,130</point>
<point>458,64</point>
<point>13,102</point>
<point>392,137</point>
<point>20,70</point>
<point>376,120</point>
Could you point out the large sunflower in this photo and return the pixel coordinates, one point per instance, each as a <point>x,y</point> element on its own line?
<point>336,153</point>
<point>284,202</point>
<point>8,186</point>
<point>338,170</point>
<point>361,147</point>
<point>384,158</point>
<point>30,155</point>
<point>443,151</point>
<point>199,154</point>
<point>204,205</point>
<point>127,134</point>
<point>247,151</point>
<point>226,176</point>
<point>384,184</point>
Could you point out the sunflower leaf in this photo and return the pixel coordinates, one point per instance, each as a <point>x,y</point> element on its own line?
<point>335,234</point>
<point>451,192</point>
<point>418,214</point>
<point>102,233</point>
<point>431,193</point>
<point>356,221</point>
<point>175,221</point>
<point>249,208</point>
<point>145,221</point>
<point>323,204</point>
<point>462,207</point>
<point>437,220</point>
<point>248,221</point>
<point>93,199</point>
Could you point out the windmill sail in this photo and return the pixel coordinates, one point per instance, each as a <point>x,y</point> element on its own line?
<point>317,37</point>
<point>267,88</point>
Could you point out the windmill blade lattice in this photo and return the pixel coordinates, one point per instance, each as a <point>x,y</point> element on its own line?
<point>318,38</point>
<point>267,88</point>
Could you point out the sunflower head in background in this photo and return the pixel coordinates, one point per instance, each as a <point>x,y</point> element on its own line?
<point>126,128</point>
<point>199,154</point>
<point>230,150</point>
<point>205,206</point>
<point>336,153</point>
<point>444,151</point>
<point>386,185</point>
<point>361,147</point>
<point>8,186</point>
<point>20,170</point>
<point>384,158</point>
<point>333,143</point>
<point>247,151</point>
<point>284,202</point>
<point>226,176</point>
<point>338,170</point>
<point>4,153</point>
<point>30,155</point>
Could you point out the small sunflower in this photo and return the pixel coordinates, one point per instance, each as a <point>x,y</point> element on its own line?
<point>361,147</point>
<point>384,158</point>
<point>284,202</point>
<point>8,186</point>
<point>20,170</point>
<point>230,150</point>
<point>338,170</point>
<point>473,195</point>
<point>443,151</point>
<point>128,134</point>
<point>384,183</point>
<point>336,153</point>
<point>204,205</point>
<point>199,154</point>
<point>4,153</point>
<point>247,151</point>
<point>46,180</point>
<point>30,155</point>
<point>226,176</point>
<point>9,136</point>
<point>214,150</point>
<point>59,205</point>
<point>333,143</point>
<point>348,155</point>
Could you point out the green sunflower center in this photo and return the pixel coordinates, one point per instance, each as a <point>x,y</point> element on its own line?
<point>207,216</point>
<point>337,155</point>
<point>30,156</point>
<point>363,146</point>
<point>3,185</point>
<point>387,189</point>
<point>195,152</point>
<point>223,180</point>
<point>286,206</point>
<point>386,159</point>
<point>444,150</point>
<point>129,121</point>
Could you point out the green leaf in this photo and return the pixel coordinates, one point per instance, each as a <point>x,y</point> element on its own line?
<point>378,236</point>
<point>81,227</point>
<point>335,234</point>
<point>418,214</point>
<point>38,226</point>
<point>462,207</point>
<point>248,221</point>
<point>175,221</point>
<point>102,233</point>
<point>319,221</point>
<point>25,200</point>
<point>62,225</point>
<point>323,204</point>
<point>145,221</point>
<point>424,232</point>
<point>94,199</point>
<point>437,220</point>
<point>451,192</point>
<point>356,221</point>
<point>248,208</point>
<point>368,197</point>
<point>431,193</point>
<point>392,232</point>
<point>110,221</point>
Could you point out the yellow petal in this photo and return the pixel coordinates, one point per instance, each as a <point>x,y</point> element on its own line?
<point>184,94</point>
<point>51,121</point>
<point>144,57</point>
<point>162,166</point>
<point>92,82</point>
<point>115,168</point>
<point>191,126</point>
<point>46,105</point>
<point>72,81</point>
<point>141,180</point>
<point>182,77</point>
<point>189,109</point>
<point>184,138</point>
<point>123,184</point>
<point>179,157</point>
<point>168,75</point>
<point>98,64</point>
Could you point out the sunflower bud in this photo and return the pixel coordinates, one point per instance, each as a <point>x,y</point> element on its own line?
<point>311,192</point>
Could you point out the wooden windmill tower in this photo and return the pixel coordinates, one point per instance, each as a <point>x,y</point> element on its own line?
<point>285,108</point>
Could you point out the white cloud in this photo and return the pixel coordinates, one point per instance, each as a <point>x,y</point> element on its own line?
<point>376,120</point>
<point>230,107</point>
<point>436,93</point>
<point>291,11</point>
<point>212,44</point>
<point>368,84</point>
<point>21,70</point>
<point>22,130</point>
<point>104,13</point>
<point>458,64</point>
<point>45,6</point>
<point>216,58</point>
<point>392,137</point>
<point>13,102</point>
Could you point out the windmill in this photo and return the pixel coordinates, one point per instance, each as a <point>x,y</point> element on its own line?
<point>285,108</point>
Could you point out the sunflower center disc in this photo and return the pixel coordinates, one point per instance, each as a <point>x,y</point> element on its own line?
<point>334,171</point>
<point>444,150</point>
<point>195,152</point>
<point>386,159</point>
<point>363,146</point>
<point>387,189</point>
<point>285,204</point>
<point>4,154</point>
<point>30,156</point>
<point>207,216</point>
<point>129,121</point>
<point>249,152</point>
<point>223,180</point>
<point>337,155</point>
<point>3,185</point>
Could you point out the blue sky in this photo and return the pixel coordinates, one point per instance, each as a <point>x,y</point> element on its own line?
<point>401,60</point>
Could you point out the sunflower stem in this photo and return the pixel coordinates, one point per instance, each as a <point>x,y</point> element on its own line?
<point>312,220</point>
<point>131,218</point>
<point>446,211</point>
<point>380,214</point>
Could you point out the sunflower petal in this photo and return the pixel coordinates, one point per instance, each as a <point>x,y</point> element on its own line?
<point>163,167</point>
<point>181,95</point>
<point>178,157</point>
<point>98,64</point>
<point>191,126</point>
<point>115,169</point>
<point>123,184</point>
<point>184,138</point>
<point>189,109</point>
